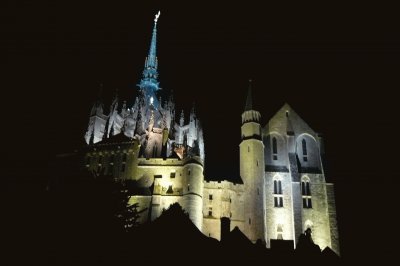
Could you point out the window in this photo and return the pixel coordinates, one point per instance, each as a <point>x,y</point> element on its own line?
<point>248,148</point>
<point>210,197</point>
<point>188,187</point>
<point>278,201</point>
<point>305,188</point>
<point>279,231</point>
<point>274,149</point>
<point>307,204</point>
<point>277,187</point>
<point>172,175</point>
<point>170,190</point>
<point>249,221</point>
<point>189,172</point>
<point>278,195</point>
<point>306,194</point>
<point>304,146</point>
<point>287,113</point>
<point>210,211</point>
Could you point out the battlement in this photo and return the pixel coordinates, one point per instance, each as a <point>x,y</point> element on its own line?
<point>160,162</point>
<point>224,184</point>
<point>169,161</point>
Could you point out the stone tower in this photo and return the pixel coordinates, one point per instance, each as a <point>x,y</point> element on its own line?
<point>252,171</point>
<point>297,193</point>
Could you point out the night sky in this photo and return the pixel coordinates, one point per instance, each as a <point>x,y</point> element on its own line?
<point>336,64</point>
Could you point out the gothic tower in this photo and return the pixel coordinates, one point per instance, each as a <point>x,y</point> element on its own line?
<point>252,171</point>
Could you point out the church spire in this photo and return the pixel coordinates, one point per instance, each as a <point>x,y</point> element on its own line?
<point>249,100</point>
<point>151,60</point>
<point>249,114</point>
<point>149,83</point>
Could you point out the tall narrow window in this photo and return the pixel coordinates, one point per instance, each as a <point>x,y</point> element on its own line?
<point>210,197</point>
<point>306,194</point>
<point>274,149</point>
<point>279,232</point>
<point>277,187</point>
<point>210,211</point>
<point>304,146</point>
<point>278,197</point>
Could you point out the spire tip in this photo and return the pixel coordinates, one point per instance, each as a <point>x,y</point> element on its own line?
<point>157,16</point>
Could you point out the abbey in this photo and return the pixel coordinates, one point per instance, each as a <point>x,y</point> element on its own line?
<point>283,193</point>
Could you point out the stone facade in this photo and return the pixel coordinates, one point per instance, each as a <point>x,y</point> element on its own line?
<point>284,190</point>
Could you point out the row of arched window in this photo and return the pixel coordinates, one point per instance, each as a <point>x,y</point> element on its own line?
<point>279,229</point>
<point>275,149</point>
<point>305,192</point>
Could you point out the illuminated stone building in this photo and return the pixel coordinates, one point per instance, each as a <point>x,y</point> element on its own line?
<point>284,190</point>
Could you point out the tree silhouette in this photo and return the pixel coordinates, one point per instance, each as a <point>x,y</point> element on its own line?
<point>126,213</point>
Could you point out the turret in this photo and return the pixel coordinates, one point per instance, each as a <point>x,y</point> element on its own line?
<point>250,119</point>
<point>252,171</point>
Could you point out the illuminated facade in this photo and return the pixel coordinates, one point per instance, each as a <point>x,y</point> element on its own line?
<point>283,192</point>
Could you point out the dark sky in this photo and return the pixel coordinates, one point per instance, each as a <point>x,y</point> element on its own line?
<point>336,64</point>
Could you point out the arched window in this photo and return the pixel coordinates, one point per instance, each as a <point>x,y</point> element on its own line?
<point>274,149</point>
<point>304,146</point>
<point>308,225</point>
